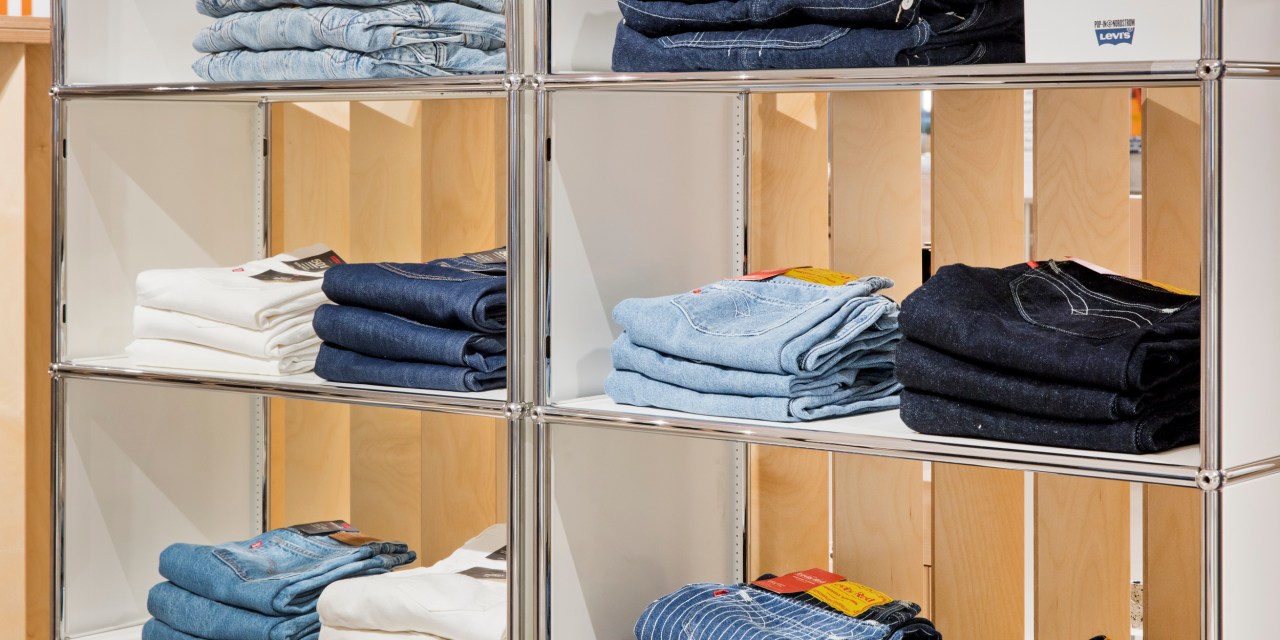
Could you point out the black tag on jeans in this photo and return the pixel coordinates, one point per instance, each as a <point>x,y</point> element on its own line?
<point>316,263</point>
<point>492,256</point>
<point>323,528</point>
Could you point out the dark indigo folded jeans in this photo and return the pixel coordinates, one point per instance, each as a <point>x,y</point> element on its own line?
<point>922,368</point>
<point>448,293</point>
<point>280,572</point>
<point>387,336</point>
<point>1058,321</point>
<point>340,365</point>
<point>186,612</point>
<point>668,17</point>
<point>718,612</point>
<point>1163,428</point>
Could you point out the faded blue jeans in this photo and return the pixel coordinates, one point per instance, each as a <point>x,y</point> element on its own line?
<point>222,8</point>
<point>423,60</point>
<point>186,612</point>
<point>782,325</point>
<point>355,28</point>
<point>280,572</point>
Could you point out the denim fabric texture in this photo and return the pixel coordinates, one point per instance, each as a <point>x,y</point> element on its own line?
<point>223,8</point>
<point>191,614</point>
<point>897,615</point>
<point>355,29</point>
<point>710,378</point>
<point>340,365</point>
<point>451,292</point>
<point>669,17</point>
<point>280,572</point>
<point>923,368</point>
<point>1058,321</point>
<point>1162,428</point>
<point>873,390</point>
<point>156,630</point>
<point>411,61</point>
<point>782,325</point>
<point>696,612</point>
<point>383,335</point>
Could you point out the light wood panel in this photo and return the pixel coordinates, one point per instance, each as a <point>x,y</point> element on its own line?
<point>978,219</point>
<point>978,561</point>
<point>38,185</point>
<point>310,451</point>
<point>1082,175</point>
<point>24,30</point>
<point>876,214</point>
<point>1082,558</point>
<point>1082,209</point>
<point>1172,190</point>
<point>788,519</point>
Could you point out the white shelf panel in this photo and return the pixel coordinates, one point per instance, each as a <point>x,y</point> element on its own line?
<point>307,386</point>
<point>127,633</point>
<point>884,433</point>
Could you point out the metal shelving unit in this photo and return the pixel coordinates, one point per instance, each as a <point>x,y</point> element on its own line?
<point>1218,467</point>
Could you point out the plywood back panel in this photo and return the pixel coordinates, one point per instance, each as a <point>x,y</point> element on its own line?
<point>1082,208</point>
<point>978,514</point>
<point>788,512</point>
<point>875,230</point>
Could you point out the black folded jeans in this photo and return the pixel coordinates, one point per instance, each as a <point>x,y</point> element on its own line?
<point>1163,428</point>
<point>1058,321</point>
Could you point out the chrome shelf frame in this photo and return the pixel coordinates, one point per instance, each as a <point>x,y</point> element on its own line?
<point>333,90</point>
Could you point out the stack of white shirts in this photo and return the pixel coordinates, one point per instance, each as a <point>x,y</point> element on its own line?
<point>254,318</point>
<point>463,597</point>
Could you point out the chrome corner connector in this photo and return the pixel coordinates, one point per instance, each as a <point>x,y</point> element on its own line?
<point>539,414</point>
<point>1208,480</point>
<point>538,81</point>
<point>55,372</point>
<point>1210,69</point>
<point>515,81</point>
<point>55,91</point>
<point>518,410</point>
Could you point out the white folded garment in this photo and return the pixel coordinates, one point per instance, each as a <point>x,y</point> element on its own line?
<point>335,633</point>
<point>290,336</point>
<point>440,600</point>
<point>171,354</point>
<point>257,295</point>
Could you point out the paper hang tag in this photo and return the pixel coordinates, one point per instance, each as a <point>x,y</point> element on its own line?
<point>492,256</point>
<point>481,573</point>
<point>850,598</point>
<point>323,528</point>
<point>271,275</point>
<point>499,556</point>
<point>815,275</point>
<point>316,263</point>
<point>798,582</point>
<point>352,539</point>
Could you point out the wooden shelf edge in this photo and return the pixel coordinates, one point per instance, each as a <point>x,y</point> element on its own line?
<point>24,30</point>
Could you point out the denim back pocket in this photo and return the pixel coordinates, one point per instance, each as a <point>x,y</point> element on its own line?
<point>733,312</point>
<point>805,37</point>
<point>274,558</point>
<point>1053,299</point>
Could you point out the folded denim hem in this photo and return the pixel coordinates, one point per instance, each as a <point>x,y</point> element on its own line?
<point>1161,430</point>
<point>340,365</point>
<point>627,387</point>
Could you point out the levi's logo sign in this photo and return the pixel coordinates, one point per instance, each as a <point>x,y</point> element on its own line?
<point>1115,31</point>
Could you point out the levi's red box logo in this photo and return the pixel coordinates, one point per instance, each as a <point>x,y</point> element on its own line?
<point>799,581</point>
<point>256,545</point>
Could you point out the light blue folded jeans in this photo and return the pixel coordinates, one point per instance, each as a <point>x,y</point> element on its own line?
<point>193,615</point>
<point>222,8</point>
<point>782,325</point>
<point>710,378</point>
<point>363,29</point>
<point>413,61</point>
<point>872,390</point>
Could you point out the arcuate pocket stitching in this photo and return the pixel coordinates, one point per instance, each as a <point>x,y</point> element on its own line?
<point>708,312</point>
<point>1082,309</point>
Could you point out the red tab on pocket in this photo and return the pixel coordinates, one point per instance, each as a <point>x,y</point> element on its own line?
<point>799,581</point>
<point>765,275</point>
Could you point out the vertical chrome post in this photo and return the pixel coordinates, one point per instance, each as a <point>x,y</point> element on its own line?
<point>57,424</point>
<point>541,216</point>
<point>57,49</point>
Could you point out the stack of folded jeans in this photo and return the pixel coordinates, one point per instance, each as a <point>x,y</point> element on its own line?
<point>1051,353</point>
<point>735,35</point>
<point>463,597</point>
<point>264,588</point>
<point>264,40</point>
<point>436,325</point>
<point>255,318</point>
<point>708,611</point>
<point>777,346</point>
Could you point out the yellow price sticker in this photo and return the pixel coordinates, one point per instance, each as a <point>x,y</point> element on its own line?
<point>820,276</point>
<point>850,598</point>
